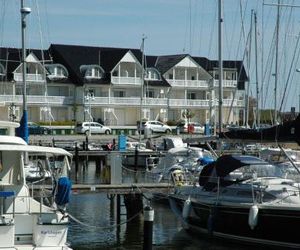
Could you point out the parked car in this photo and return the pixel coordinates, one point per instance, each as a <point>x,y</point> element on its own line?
<point>155,126</point>
<point>35,129</point>
<point>192,127</point>
<point>95,127</point>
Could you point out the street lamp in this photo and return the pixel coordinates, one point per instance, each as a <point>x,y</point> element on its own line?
<point>90,97</point>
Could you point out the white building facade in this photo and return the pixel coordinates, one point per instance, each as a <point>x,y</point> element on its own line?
<point>79,83</point>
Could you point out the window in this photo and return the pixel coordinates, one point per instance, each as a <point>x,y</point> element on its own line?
<point>152,74</point>
<point>91,71</point>
<point>170,76</point>
<point>119,93</point>
<point>150,93</point>
<point>191,96</point>
<point>56,71</point>
<point>193,78</point>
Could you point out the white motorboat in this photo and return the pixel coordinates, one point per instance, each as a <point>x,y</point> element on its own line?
<point>189,160</point>
<point>242,198</point>
<point>26,223</point>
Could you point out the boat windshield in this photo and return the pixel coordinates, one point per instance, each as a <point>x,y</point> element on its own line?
<point>260,170</point>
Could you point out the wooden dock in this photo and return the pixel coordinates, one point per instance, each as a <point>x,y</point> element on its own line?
<point>124,188</point>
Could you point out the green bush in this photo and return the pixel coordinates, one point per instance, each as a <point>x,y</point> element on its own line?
<point>172,123</point>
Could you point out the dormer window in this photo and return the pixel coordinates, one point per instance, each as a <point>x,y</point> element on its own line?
<point>91,72</point>
<point>152,74</point>
<point>56,71</point>
<point>2,71</point>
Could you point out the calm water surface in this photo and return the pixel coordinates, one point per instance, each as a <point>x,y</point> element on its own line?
<point>99,213</point>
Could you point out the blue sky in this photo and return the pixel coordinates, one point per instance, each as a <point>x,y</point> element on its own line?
<point>171,27</point>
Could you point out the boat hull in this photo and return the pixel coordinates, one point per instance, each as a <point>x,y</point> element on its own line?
<point>276,227</point>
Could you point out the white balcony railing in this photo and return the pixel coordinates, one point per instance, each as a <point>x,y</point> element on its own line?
<point>189,83</point>
<point>36,100</point>
<point>18,77</point>
<point>126,80</point>
<point>235,103</point>
<point>188,103</point>
<point>226,83</point>
<point>127,101</point>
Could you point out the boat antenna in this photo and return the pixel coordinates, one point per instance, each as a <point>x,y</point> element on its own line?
<point>23,130</point>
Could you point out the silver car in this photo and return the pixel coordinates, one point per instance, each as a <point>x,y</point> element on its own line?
<point>94,127</point>
<point>156,126</point>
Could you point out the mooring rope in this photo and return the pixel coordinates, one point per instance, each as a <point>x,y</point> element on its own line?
<point>104,227</point>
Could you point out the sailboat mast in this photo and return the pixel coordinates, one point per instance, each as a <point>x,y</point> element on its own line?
<point>276,63</point>
<point>220,24</point>
<point>256,73</point>
<point>23,132</point>
<point>142,86</point>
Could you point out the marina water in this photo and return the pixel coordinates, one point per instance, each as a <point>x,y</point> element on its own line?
<point>98,230</point>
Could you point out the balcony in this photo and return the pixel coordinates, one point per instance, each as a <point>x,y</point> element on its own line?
<point>37,100</point>
<point>188,83</point>
<point>236,103</point>
<point>127,101</point>
<point>18,77</point>
<point>134,81</point>
<point>189,103</point>
<point>226,83</point>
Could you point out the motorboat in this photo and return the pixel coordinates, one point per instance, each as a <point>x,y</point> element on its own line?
<point>139,160</point>
<point>243,198</point>
<point>31,218</point>
<point>188,160</point>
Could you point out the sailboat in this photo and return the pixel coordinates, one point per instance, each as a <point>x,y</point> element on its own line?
<point>288,131</point>
<point>241,197</point>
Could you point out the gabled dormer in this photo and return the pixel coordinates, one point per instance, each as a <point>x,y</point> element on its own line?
<point>152,74</point>
<point>183,71</point>
<point>35,72</point>
<point>92,72</point>
<point>56,72</point>
<point>128,71</point>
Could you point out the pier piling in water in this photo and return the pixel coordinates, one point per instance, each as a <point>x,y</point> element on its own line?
<point>148,227</point>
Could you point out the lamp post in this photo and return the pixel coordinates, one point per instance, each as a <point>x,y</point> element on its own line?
<point>89,97</point>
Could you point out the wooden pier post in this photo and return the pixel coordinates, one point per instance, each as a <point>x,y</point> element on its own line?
<point>136,156</point>
<point>76,161</point>
<point>133,203</point>
<point>148,227</point>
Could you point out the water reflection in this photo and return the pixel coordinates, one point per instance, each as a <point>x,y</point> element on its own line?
<point>99,211</point>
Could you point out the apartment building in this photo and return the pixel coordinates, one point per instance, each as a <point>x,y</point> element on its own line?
<point>71,82</point>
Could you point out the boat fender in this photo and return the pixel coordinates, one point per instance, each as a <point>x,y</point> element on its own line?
<point>186,208</point>
<point>253,216</point>
<point>64,186</point>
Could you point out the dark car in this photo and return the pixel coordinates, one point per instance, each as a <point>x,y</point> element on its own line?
<point>35,129</point>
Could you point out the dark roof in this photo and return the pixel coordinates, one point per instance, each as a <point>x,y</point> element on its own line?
<point>164,63</point>
<point>150,62</point>
<point>74,56</point>
<point>11,58</point>
<point>209,65</point>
